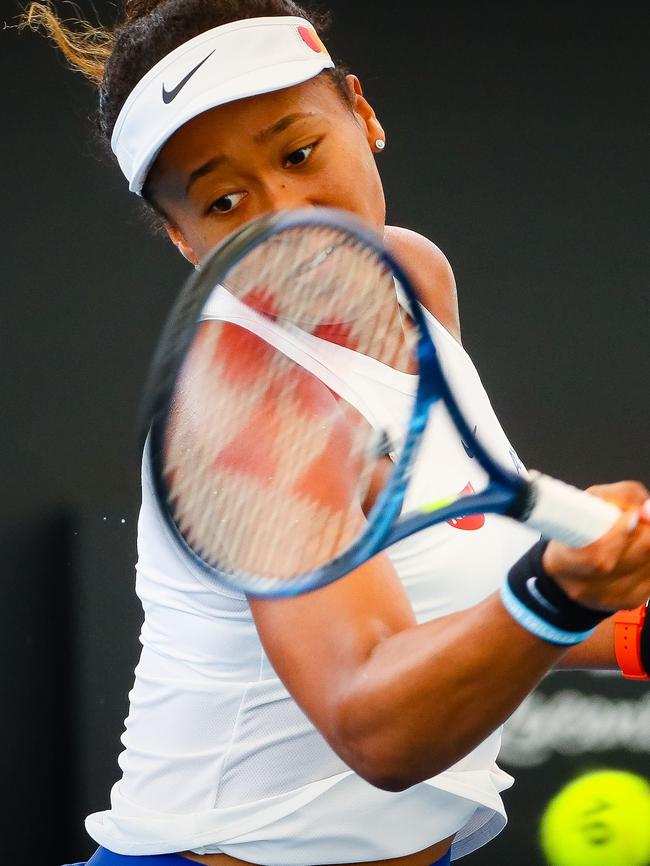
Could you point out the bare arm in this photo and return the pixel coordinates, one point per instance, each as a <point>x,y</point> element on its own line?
<point>595,653</point>
<point>400,702</point>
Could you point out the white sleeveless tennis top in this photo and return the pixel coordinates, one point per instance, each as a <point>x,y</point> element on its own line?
<point>218,757</point>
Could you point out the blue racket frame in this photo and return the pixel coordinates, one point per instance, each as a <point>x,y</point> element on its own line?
<point>506,492</point>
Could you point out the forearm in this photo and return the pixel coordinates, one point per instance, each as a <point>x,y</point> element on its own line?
<point>428,695</point>
<point>400,701</point>
<point>595,653</point>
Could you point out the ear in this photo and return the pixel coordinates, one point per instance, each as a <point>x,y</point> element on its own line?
<point>373,129</point>
<point>181,244</point>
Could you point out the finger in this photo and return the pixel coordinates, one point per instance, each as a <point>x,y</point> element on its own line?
<point>645,511</point>
<point>593,561</point>
<point>637,550</point>
<point>611,573</point>
<point>625,494</point>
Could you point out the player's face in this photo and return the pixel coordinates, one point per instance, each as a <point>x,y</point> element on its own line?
<point>297,147</point>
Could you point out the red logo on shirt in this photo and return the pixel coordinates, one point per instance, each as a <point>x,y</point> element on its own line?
<point>467,521</point>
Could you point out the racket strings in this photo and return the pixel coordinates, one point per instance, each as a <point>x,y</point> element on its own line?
<point>247,489</point>
<point>333,281</point>
<point>267,469</point>
<point>211,512</point>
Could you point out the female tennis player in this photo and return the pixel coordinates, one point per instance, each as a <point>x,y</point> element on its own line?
<point>359,723</point>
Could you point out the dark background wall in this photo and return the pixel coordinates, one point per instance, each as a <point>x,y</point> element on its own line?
<point>518,140</point>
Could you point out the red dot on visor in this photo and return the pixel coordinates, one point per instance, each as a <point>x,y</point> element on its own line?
<point>310,38</point>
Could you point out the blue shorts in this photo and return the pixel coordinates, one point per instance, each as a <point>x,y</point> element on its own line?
<point>102,857</point>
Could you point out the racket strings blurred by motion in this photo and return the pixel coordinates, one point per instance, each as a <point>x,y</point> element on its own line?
<point>269,479</point>
<point>236,480</point>
<point>253,437</point>
<point>325,283</point>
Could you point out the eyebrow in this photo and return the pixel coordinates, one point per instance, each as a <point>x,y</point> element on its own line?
<point>261,137</point>
<point>279,126</point>
<point>202,170</point>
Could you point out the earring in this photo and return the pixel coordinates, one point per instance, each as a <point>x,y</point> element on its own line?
<point>380,144</point>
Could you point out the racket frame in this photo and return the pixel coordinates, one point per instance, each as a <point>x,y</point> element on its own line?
<point>507,493</point>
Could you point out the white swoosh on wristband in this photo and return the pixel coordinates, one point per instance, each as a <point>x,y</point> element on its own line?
<point>531,586</point>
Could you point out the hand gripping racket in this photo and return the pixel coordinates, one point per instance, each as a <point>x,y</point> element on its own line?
<point>272,479</point>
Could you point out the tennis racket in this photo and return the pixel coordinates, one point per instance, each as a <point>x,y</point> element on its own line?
<point>276,481</point>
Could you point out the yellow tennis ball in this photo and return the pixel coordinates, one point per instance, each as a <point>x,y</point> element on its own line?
<point>601,818</point>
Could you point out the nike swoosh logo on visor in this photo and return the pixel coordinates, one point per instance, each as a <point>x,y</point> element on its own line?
<point>170,95</point>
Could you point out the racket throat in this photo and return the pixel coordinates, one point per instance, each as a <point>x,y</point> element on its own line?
<point>524,502</point>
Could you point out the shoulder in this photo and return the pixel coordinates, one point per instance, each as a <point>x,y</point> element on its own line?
<point>430,271</point>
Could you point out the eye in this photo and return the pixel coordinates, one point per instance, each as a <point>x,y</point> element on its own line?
<point>226,203</point>
<point>299,156</point>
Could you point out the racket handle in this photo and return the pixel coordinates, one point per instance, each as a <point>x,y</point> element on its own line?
<point>566,514</point>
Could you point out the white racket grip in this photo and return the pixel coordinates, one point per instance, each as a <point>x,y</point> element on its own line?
<point>566,514</point>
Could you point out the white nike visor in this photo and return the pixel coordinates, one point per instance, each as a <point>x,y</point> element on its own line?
<point>244,58</point>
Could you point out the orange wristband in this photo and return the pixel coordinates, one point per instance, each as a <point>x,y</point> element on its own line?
<point>628,625</point>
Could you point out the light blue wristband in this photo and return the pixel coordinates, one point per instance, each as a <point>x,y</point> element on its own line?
<point>538,626</point>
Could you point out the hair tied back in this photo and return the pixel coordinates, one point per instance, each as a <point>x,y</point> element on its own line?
<point>85,47</point>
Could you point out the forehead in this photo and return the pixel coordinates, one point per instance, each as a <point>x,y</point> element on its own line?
<point>228,128</point>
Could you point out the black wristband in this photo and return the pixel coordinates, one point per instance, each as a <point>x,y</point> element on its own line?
<point>644,649</point>
<point>539,604</point>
